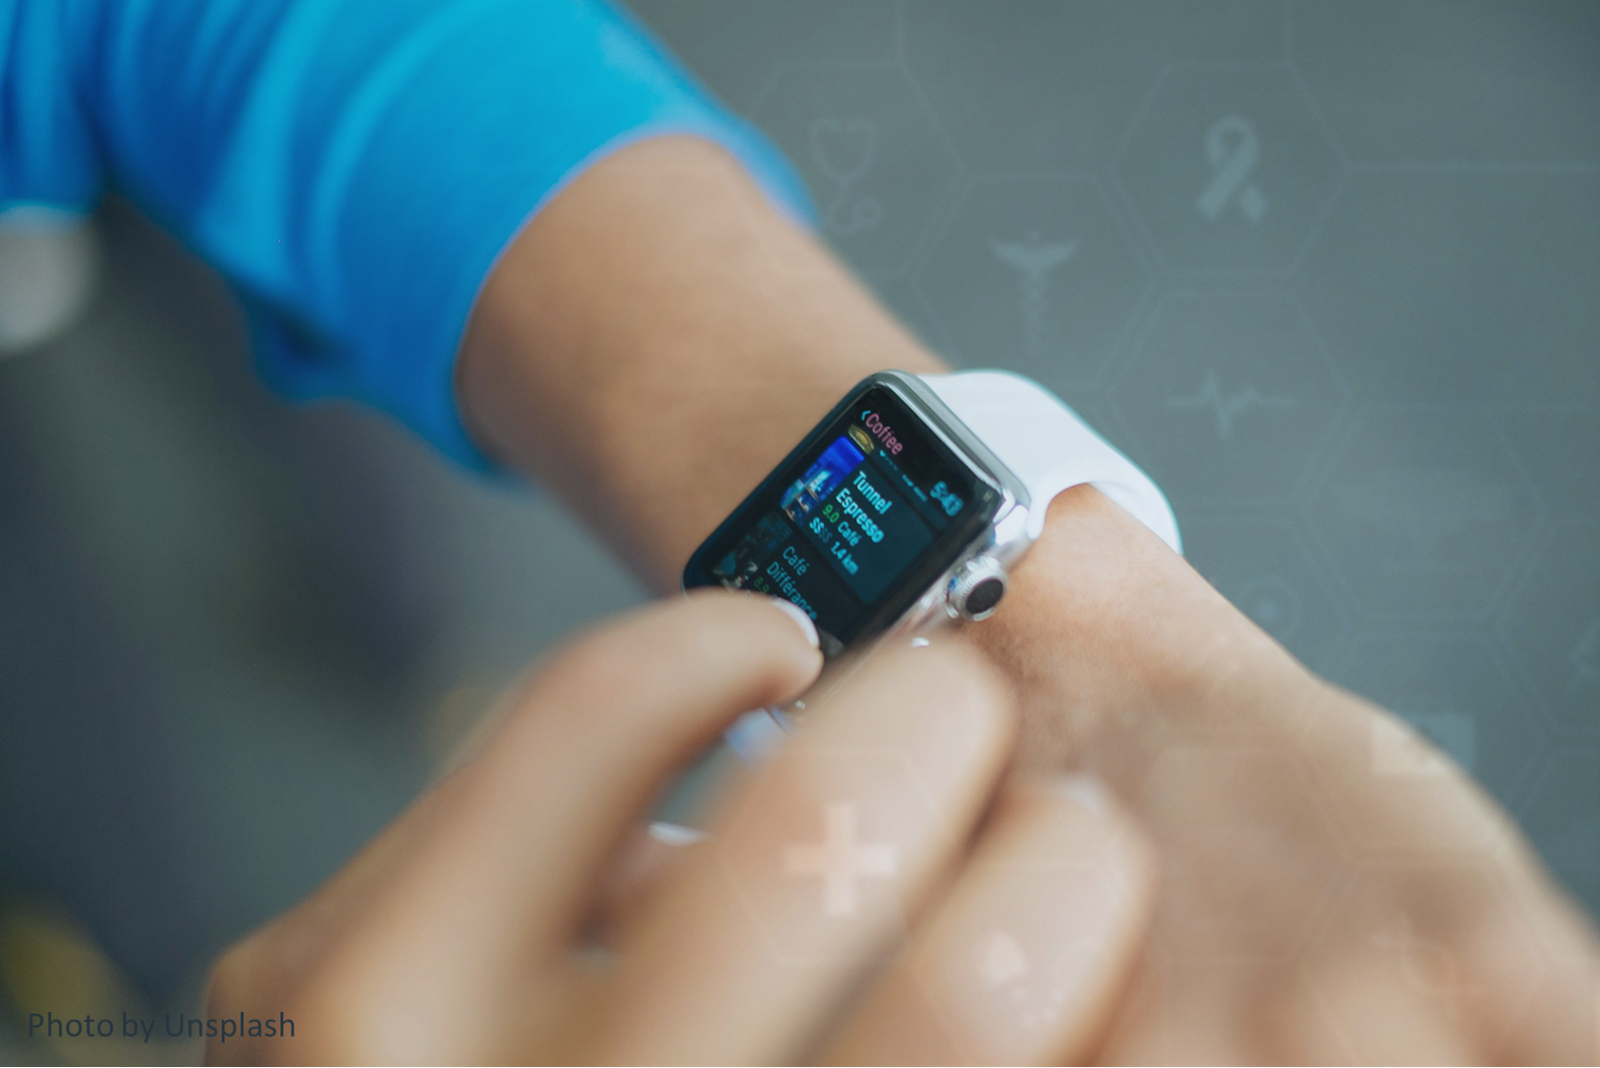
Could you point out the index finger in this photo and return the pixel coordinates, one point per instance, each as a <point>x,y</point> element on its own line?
<point>596,735</point>
<point>492,872</point>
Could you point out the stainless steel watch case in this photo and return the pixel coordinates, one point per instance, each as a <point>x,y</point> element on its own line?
<point>996,550</point>
<point>991,555</point>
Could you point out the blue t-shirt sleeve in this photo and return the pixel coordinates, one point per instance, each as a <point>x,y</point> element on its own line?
<point>353,166</point>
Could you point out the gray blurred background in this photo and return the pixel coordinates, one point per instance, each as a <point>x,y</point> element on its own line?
<point>1329,271</point>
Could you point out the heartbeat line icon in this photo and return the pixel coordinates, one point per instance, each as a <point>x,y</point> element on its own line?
<point>1228,406</point>
<point>1423,507</point>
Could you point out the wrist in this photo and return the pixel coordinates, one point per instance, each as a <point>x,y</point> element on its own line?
<point>1106,629</point>
<point>649,353</point>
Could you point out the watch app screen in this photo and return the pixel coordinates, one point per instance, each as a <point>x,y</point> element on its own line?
<point>855,524</point>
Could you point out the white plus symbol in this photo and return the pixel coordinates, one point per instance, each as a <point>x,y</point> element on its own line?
<point>840,860</point>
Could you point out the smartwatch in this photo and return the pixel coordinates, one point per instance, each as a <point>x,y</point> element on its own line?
<point>911,502</point>
<point>906,507</point>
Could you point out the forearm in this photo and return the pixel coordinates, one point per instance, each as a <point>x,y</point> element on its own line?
<point>659,337</point>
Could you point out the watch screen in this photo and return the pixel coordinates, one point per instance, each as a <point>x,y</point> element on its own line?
<point>856,523</point>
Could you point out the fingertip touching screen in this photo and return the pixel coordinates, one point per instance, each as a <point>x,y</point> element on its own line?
<point>856,523</point>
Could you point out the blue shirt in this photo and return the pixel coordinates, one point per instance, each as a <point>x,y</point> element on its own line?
<point>353,166</point>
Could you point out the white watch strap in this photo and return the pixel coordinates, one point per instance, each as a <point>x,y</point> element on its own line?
<point>1049,447</point>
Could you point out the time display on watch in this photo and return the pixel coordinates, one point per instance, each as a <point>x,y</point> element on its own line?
<point>856,523</point>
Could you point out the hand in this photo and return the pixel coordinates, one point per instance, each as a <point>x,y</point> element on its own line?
<point>467,931</point>
<point>655,342</point>
<point>1333,889</point>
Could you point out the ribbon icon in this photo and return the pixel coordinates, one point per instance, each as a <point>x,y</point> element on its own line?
<point>1233,152</point>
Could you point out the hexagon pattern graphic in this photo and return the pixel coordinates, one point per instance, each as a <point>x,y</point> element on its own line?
<point>1432,84</point>
<point>1228,170</point>
<point>1424,513</point>
<point>1454,691</point>
<point>1037,276</point>
<point>1420,949</point>
<point>1562,816</point>
<point>1461,287</point>
<point>1025,87</point>
<point>1062,186</point>
<point>873,157</point>
<point>1553,444</point>
<point>1552,625</point>
<point>1228,397</point>
<point>1265,569</point>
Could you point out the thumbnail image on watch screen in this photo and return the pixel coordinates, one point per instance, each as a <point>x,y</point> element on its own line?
<point>853,527</point>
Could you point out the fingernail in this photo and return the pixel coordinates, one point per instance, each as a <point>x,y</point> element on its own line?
<point>757,735</point>
<point>803,621</point>
<point>675,834</point>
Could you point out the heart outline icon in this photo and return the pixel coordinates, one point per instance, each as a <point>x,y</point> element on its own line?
<point>844,148</point>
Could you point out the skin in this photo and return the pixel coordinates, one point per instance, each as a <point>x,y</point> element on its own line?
<point>659,337</point>
<point>466,932</point>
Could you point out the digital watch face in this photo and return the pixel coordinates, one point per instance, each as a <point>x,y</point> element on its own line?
<point>856,523</point>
